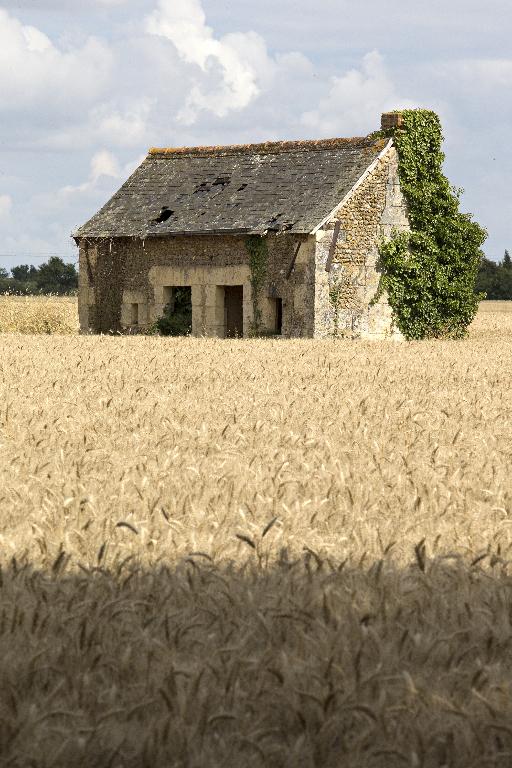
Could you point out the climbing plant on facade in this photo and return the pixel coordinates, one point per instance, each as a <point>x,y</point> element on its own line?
<point>258,257</point>
<point>335,293</point>
<point>429,273</point>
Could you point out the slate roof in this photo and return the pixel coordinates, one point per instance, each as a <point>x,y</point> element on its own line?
<point>276,186</point>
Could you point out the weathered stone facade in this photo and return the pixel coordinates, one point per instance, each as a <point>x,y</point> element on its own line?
<point>119,273</point>
<point>345,288</point>
<point>319,281</point>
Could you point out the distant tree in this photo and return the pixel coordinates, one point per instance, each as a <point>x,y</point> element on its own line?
<point>495,280</point>
<point>488,278</point>
<point>24,273</point>
<point>55,276</point>
<point>4,280</point>
<point>505,284</point>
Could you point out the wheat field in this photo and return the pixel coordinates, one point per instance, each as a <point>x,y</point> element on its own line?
<point>256,552</point>
<point>38,314</point>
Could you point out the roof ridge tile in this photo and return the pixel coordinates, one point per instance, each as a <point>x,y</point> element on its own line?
<point>270,147</point>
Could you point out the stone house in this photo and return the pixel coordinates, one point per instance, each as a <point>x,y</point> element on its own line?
<point>185,217</point>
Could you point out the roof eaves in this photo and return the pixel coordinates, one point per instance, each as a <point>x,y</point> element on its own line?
<point>358,183</point>
<point>185,233</point>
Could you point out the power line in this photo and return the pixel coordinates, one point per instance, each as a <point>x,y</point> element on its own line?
<point>33,255</point>
<point>18,258</point>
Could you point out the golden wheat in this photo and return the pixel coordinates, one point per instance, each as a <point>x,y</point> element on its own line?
<point>256,552</point>
<point>38,314</point>
<point>495,306</point>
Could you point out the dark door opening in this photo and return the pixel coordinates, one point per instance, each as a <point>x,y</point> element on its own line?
<point>233,310</point>
<point>177,317</point>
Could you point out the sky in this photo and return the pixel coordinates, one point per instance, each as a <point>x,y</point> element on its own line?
<point>87,86</point>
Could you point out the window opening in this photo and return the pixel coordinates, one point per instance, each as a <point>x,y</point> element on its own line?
<point>134,314</point>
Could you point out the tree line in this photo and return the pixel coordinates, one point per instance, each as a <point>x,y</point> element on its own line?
<point>54,276</point>
<point>495,280</point>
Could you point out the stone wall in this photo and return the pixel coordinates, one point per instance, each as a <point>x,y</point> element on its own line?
<point>343,294</point>
<point>117,274</point>
<point>100,286</point>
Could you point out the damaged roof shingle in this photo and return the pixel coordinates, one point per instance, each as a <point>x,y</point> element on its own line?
<point>283,186</point>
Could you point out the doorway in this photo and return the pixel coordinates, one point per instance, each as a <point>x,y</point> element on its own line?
<point>177,317</point>
<point>233,311</point>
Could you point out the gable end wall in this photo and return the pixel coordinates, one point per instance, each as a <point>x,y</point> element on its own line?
<point>343,295</point>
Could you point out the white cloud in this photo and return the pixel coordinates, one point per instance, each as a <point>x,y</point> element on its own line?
<point>124,128</point>
<point>5,206</point>
<point>480,75</point>
<point>103,164</point>
<point>105,174</point>
<point>34,72</point>
<point>356,100</point>
<point>53,5</point>
<point>86,87</point>
<point>231,67</point>
<point>105,123</point>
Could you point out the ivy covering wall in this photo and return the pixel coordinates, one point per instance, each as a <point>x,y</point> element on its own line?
<point>430,272</point>
<point>257,248</point>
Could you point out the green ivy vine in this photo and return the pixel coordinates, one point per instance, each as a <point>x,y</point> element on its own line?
<point>257,248</point>
<point>429,273</point>
<point>335,292</point>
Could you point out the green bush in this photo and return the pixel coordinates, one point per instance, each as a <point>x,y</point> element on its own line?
<point>177,317</point>
<point>429,273</point>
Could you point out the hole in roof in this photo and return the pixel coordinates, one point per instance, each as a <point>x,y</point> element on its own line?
<point>240,189</point>
<point>165,214</point>
<point>276,225</point>
<point>221,181</point>
<point>274,220</point>
<point>207,186</point>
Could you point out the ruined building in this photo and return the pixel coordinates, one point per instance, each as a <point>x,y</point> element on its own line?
<point>278,238</point>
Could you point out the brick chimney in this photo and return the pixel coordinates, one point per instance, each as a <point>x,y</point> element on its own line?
<point>390,120</point>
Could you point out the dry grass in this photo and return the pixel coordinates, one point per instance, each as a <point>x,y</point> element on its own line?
<point>495,306</point>
<point>151,617</point>
<point>38,314</point>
